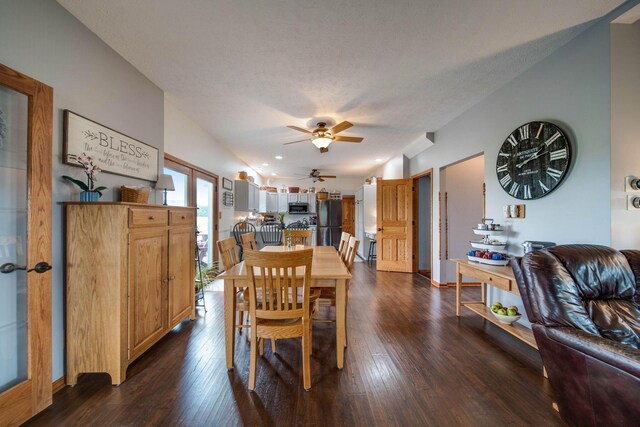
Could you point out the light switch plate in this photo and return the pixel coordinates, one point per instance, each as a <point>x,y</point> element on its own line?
<point>627,184</point>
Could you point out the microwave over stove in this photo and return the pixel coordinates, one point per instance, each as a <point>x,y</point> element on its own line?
<point>298,208</point>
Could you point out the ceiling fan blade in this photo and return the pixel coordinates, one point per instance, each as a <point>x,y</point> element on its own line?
<point>295,142</point>
<point>348,138</point>
<point>320,179</point>
<point>299,129</point>
<point>340,127</point>
<point>327,176</point>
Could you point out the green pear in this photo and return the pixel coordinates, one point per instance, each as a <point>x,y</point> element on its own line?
<point>502,312</point>
<point>511,312</point>
<point>498,304</point>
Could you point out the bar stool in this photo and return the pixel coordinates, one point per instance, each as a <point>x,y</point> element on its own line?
<point>372,250</point>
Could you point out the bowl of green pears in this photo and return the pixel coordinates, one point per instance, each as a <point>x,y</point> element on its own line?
<point>506,315</point>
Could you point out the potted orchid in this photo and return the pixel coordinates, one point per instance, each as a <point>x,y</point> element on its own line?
<point>90,192</point>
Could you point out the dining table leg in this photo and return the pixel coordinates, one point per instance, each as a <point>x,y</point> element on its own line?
<point>341,315</point>
<point>229,321</point>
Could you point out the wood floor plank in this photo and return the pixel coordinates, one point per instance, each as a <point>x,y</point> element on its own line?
<point>409,362</point>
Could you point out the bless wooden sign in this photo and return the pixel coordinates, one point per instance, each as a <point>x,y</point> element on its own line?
<point>112,151</point>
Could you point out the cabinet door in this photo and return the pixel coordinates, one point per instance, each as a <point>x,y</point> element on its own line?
<point>312,203</point>
<point>256,197</point>
<point>293,198</point>
<point>303,198</point>
<point>147,291</point>
<point>264,201</point>
<point>181,275</point>
<point>283,202</point>
<point>272,202</point>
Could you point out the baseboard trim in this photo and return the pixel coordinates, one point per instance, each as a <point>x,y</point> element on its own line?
<point>59,384</point>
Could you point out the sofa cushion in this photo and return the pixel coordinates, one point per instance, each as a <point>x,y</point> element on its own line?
<point>618,320</point>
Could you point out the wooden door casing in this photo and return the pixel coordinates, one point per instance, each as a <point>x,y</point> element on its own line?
<point>31,396</point>
<point>147,289</point>
<point>349,214</point>
<point>181,274</point>
<point>394,248</point>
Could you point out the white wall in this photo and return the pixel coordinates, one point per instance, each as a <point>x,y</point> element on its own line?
<point>185,139</point>
<point>395,168</point>
<point>625,131</point>
<point>42,40</point>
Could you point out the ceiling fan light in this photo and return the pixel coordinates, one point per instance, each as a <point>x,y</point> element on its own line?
<point>321,142</point>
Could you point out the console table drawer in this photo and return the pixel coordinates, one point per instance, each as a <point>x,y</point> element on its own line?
<point>147,217</point>
<point>181,217</point>
<point>486,277</point>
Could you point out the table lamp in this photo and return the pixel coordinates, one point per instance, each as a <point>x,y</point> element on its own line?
<point>165,182</point>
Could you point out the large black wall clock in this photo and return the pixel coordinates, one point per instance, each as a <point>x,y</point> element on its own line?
<point>533,160</point>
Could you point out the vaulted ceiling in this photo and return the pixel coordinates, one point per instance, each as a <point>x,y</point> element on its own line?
<point>244,70</point>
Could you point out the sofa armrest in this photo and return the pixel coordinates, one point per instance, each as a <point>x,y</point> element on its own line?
<point>618,355</point>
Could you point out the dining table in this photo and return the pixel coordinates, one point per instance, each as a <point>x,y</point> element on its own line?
<point>327,271</point>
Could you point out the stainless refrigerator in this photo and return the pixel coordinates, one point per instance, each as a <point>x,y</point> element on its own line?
<point>329,222</point>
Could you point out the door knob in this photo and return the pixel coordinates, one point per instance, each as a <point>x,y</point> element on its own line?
<point>9,267</point>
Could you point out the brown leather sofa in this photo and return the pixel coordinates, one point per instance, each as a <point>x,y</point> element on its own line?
<point>584,305</point>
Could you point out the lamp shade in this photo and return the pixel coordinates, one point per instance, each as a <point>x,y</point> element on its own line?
<point>322,142</point>
<point>165,182</point>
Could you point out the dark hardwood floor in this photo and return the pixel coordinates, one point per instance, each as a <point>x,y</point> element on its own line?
<point>410,362</point>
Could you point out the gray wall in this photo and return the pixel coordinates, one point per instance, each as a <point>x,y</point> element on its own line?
<point>570,87</point>
<point>42,40</point>
<point>424,222</point>
<point>625,128</point>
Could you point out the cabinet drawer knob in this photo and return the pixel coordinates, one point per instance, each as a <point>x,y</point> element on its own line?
<point>151,217</point>
<point>172,278</point>
<point>183,217</point>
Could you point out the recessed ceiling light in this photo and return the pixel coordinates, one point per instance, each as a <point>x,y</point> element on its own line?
<point>378,160</point>
<point>273,173</point>
<point>278,157</point>
<point>265,164</point>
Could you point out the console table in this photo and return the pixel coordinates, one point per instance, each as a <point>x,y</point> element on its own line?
<point>498,276</point>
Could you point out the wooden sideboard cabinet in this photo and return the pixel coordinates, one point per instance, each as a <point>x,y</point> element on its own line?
<point>129,281</point>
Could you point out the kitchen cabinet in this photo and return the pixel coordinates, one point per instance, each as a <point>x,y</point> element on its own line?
<point>247,196</point>
<point>283,202</point>
<point>312,202</point>
<point>130,280</point>
<point>268,202</point>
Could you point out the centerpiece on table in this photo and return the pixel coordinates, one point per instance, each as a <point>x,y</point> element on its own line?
<point>89,193</point>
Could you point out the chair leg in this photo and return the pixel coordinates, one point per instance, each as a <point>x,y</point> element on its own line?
<point>261,341</point>
<point>306,356</point>
<point>253,362</point>
<point>241,320</point>
<point>273,346</point>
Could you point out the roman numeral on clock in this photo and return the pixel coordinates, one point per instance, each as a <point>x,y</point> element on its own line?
<point>505,180</point>
<point>526,192</point>
<point>551,140</point>
<point>559,154</point>
<point>539,130</point>
<point>514,189</point>
<point>512,140</point>
<point>554,173</point>
<point>504,154</point>
<point>543,187</point>
<point>524,132</point>
<point>502,168</point>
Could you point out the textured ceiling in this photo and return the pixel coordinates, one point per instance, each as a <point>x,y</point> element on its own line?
<point>244,70</point>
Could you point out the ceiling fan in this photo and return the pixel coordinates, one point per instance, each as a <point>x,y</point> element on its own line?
<point>315,176</point>
<point>321,137</point>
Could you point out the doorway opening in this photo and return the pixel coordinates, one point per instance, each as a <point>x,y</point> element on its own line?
<point>423,213</point>
<point>462,207</point>
<point>198,188</point>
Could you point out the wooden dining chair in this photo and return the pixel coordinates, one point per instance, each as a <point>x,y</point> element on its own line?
<point>229,257</point>
<point>280,303</point>
<point>300,237</point>
<point>271,233</point>
<point>344,243</point>
<point>249,242</point>
<point>352,251</point>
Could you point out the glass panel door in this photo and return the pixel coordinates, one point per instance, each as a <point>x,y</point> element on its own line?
<point>205,203</point>
<point>180,196</point>
<point>13,237</point>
